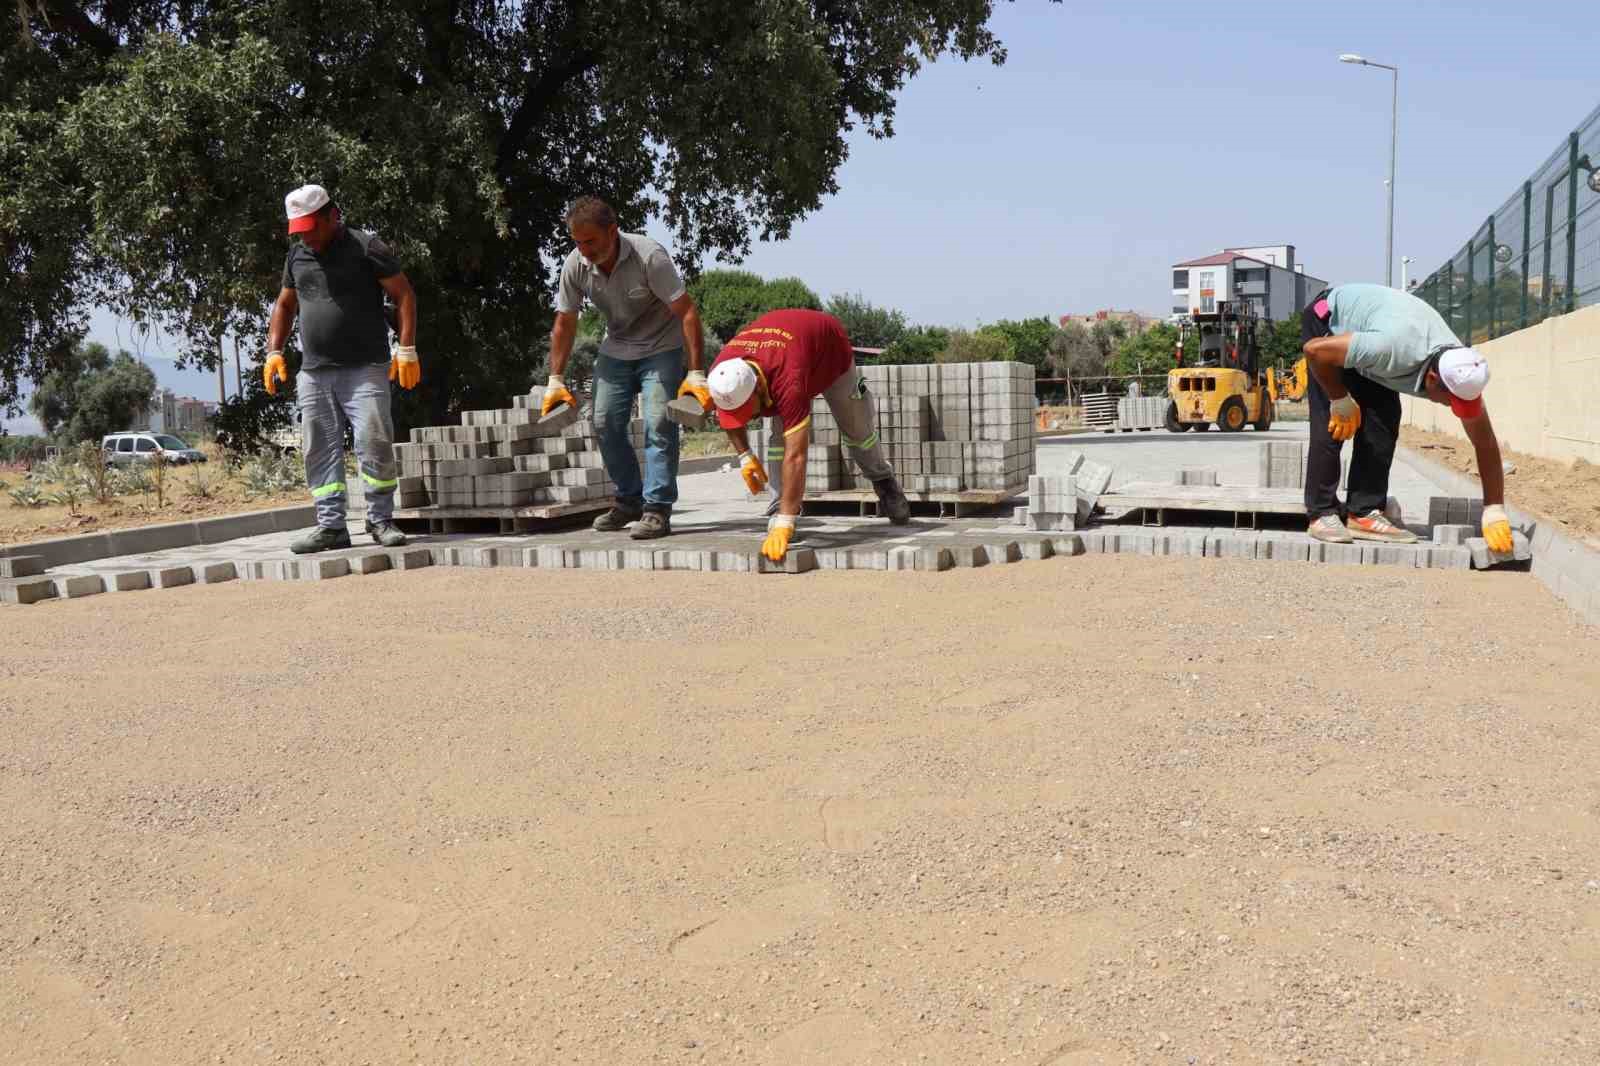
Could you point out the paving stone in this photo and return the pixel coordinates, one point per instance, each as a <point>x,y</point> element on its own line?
<point>1020,515</point>
<point>74,586</point>
<point>1196,475</point>
<point>1450,558</point>
<point>216,573</point>
<point>1452,535</point>
<point>678,559</point>
<point>1137,542</point>
<point>687,412</point>
<point>1340,554</point>
<point>600,559</point>
<point>795,561</point>
<point>324,569</point>
<point>1295,548</point>
<point>1231,546</point>
<point>1093,478</point>
<point>968,555</point>
<point>27,589</point>
<point>1483,558</point>
<point>172,577</point>
<point>411,558</point>
<point>1068,546</point>
<point>729,562</point>
<point>1397,555</point>
<point>1037,549</point>
<point>129,580</point>
<point>486,558</point>
<point>21,565</point>
<point>1188,545</point>
<point>371,563</point>
<point>557,420</point>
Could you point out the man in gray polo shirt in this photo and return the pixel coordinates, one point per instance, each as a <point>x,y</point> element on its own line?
<point>650,321</point>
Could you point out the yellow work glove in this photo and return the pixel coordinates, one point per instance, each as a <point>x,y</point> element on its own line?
<point>275,371</point>
<point>694,384</point>
<point>1344,418</point>
<point>754,474</point>
<point>1497,529</point>
<point>403,366</point>
<point>779,531</point>
<point>555,394</point>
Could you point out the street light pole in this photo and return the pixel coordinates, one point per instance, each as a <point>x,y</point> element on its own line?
<point>1394,142</point>
<point>1405,261</point>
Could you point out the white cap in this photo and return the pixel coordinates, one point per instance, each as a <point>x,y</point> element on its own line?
<point>732,382</point>
<point>306,200</point>
<point>1464,372</point>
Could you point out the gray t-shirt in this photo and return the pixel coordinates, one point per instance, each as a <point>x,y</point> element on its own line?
<point>341,302</point>
<point>635,300</point>
<point>1396,334</point>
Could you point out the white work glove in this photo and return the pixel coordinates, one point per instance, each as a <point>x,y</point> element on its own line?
<point>555,394</point>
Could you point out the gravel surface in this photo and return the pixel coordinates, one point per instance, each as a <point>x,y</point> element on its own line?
<point>1102,809</point>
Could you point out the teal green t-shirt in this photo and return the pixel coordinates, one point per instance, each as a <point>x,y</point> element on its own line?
<point>1395,334</point>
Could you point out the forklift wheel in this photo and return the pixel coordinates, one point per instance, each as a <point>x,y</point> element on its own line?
<point>1173,425</point>
<point>1231,418</point>
<point>1264,423</point>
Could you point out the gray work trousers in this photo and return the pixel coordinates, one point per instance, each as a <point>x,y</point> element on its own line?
<point>853,410</point>
<point>332,397</point>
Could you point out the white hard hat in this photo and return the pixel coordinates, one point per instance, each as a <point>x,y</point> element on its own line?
<point>304,202</point>
<point>1464,372</point>
<point>733,388</point>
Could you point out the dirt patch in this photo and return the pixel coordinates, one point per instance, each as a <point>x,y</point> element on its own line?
<point>1567,493</point>
<point>1060,812</point>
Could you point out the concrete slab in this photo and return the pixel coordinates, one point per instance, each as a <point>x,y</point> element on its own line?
<point>128,581</point>
<point>215,573</point>
<point>72,586</point>
<point>21,565</point>
<point>22,590</point>
<point>371,563</point>
<point>171,577</point>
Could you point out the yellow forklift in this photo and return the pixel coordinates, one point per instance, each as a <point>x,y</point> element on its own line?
<point>1221,381</point>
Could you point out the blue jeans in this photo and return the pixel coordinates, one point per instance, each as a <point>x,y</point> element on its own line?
<point>654,380</point>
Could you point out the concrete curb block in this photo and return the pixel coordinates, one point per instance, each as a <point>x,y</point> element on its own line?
<point>1567,567</point>
<point>86,547</point>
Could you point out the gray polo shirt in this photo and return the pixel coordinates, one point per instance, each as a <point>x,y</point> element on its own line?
<point>634,300</point>
<point>1396,334</point>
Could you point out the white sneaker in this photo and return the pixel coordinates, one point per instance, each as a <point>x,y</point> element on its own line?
<point>1329,529</point>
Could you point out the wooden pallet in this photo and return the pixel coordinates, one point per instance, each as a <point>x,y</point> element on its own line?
<point>534,518</point>
<point>1242,501</point>
<point>945,504</point>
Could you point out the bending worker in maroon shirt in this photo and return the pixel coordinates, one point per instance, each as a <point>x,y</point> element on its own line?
<point>776,366</point>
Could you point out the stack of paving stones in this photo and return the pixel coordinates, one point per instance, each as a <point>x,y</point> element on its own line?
<point>1064,501</point>
<point>946,428</point>
<point>1459,519</point>
<point>506,458</point>
<point>1142,412</point>
<point>1281,465</point>
<point>1196,475</point>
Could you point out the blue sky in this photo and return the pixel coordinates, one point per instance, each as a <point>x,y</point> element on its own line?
<point>1120,138</point>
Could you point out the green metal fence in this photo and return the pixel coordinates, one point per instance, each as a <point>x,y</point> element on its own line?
<point>1537,256</point>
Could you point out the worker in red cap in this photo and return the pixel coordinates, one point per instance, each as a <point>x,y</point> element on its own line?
<point>334,281</point>
<point>775,367</point>
<point>1365,345</point>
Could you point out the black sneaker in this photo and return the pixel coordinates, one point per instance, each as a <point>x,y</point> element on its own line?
<point>617,518</point>
<point>892,503</point>
<point>321,539</point>
<point>652,524</point>
<point>387,534</point>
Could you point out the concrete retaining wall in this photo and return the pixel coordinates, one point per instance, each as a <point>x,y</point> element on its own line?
<point>1567,567</point>
<point>1544,390</point>
<point>65,551</point>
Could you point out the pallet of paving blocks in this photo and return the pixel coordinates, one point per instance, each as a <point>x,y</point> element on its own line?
<point>508,467</point>
<point>954,433</point>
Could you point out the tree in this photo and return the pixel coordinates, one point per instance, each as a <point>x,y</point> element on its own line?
<point>978,347</point>
<point>1279,342</point>
<point>1029,337</point>
<point>919,344</point>
<point>1074,353</point>
<point>729,300</point>
<point>145,149</point>
<point>1149,352</point>
<point>867,326</point>
<point>1107,334</point>
<point>86,393</point>
<point>246,421</point>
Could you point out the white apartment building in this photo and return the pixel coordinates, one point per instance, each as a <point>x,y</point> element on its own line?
<point>1267,276</point>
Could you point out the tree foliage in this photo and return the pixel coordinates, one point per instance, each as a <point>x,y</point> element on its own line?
<point>145,149</point>
<point>1280,342</point>
<point>1029,337</point>
<point>981,346</point>
<point>918,344</point>
<point>868,326</point>
<point>1149,352</point>
<point>86,393</point>
<point>729,300</point>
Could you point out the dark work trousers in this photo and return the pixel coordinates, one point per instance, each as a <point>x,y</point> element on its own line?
<point>1371,450</point>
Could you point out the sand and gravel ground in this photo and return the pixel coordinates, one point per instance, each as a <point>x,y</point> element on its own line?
<point>1104,809</point>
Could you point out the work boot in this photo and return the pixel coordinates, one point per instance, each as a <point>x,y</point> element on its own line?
<point>386,533</point>
<point>892,503</point>
<point>617,518</point>
<point>321,539</point>
<point>1329,530</point>
<point>1375,525</point>
<point>652,524</point>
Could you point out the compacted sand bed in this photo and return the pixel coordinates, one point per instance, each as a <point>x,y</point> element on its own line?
<point>1101,809</point>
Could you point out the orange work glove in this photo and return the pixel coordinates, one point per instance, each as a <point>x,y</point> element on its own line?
<point>694,384</point>
<point>403,366</point>
<point>1344,418</point>
<point>1497,529</point>
<point>754,474</point>
<point>275,371</point>
<point>779,531</point>
<point>555,394</point>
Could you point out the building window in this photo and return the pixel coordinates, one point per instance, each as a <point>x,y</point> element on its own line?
<point>1180,279</point>
<point>1208,291</point>
<point>1180,309</point>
